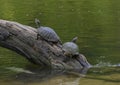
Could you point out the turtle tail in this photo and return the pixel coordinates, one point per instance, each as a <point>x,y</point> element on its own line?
<point>37,21</point>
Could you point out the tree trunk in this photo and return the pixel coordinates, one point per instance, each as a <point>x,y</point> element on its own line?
<point>23,40</point>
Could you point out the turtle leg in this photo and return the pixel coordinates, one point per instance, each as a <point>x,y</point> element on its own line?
<point>38,36</point>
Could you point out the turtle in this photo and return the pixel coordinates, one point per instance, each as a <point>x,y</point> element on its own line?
<point>71,48</point>
<point>47,33</point>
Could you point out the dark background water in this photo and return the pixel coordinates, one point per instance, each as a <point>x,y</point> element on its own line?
<point>95,22</point>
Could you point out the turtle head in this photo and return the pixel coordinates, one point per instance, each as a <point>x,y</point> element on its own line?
<point>74,39</point>
<point>37,21</point>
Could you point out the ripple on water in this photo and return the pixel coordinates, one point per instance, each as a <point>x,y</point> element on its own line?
<point>106,64</point>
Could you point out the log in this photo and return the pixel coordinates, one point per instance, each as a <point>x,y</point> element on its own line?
<point>22,39</point>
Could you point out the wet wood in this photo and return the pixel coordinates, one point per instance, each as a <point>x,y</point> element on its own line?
<point>22,39</point>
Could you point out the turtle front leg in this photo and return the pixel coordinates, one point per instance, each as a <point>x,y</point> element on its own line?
<point>37,36</point>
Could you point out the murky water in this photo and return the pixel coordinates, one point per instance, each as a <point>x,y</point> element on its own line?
<point>95,22</point>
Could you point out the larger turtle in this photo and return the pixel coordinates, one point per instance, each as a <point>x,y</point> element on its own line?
<point>71,48</point>
<point>47,33</point>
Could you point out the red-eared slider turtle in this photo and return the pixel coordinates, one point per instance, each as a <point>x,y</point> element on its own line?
<point>47,33</point>
<point>71,48</point>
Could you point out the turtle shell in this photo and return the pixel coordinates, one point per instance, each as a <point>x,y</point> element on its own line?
<point>70,48</point>
<point>48,34</point>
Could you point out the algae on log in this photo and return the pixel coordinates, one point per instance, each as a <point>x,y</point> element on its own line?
<point>22,39</point>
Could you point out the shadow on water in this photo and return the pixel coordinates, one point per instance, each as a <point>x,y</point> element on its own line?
<point>43,74</point>
<point>66,77</point>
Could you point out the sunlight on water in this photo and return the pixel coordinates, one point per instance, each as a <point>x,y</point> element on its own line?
<point>20,70</point>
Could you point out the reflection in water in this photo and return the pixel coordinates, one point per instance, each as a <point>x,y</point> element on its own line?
<point>21,70</point>
<point>39,75</point>
<point>34,76</point>
<point>62,77</point>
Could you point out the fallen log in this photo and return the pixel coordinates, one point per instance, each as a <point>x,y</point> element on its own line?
<point>22,39</point>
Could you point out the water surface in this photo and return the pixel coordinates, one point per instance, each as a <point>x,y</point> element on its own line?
<point>95,22</point>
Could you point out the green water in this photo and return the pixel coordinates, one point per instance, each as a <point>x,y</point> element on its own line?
<point>95,22</point>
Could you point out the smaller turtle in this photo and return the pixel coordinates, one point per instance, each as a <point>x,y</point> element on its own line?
<point>71,48</point>
<point>47,34</point>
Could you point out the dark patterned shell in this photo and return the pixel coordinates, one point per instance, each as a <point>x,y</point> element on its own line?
<point>48,34</point>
